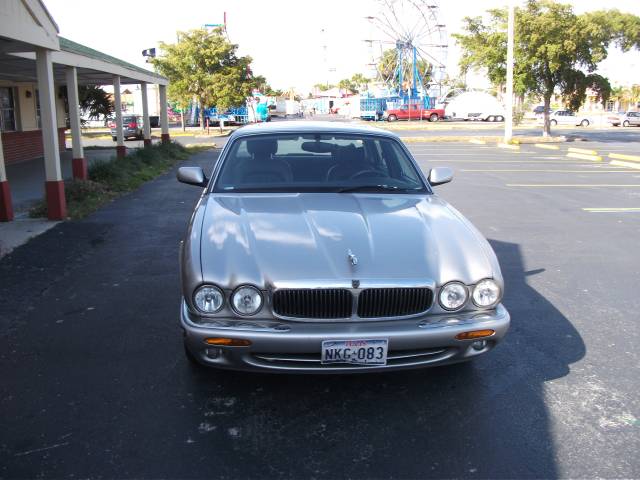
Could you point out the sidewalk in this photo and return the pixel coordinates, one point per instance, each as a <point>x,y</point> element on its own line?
<point>26,179</point>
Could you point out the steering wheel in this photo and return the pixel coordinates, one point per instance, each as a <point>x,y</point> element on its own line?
<point>366,173</point>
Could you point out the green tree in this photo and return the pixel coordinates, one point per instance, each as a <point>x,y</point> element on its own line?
<point>260,82</point>
<point>555,49</point>
<point>347,84</point>
<point>323,87</point>
<point>360,81</point>
<point>93,100</point>
<point>204,65</point>
<point>389,61</point>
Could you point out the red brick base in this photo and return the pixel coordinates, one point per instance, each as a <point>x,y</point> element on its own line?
<point>6,208</point>
<point>121,151</point>
<point>21,146</point>
<point>165,138</point>
<point>56,202</point>
<point>79,168</point>
<point>147,142</point>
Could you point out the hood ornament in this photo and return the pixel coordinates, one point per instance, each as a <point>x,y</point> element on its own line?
<point>352,258</point>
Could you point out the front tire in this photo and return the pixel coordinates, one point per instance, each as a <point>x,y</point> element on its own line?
<point>193,361</point>
<point>553,123</point>
<point>499,118</point>
<point>392,118</point>
<point>626,123</point>
<point>584,123</point>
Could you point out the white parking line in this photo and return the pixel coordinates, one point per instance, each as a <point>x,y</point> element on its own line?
<point>540,171</point>
<point>575,185</point>
<point>612,210</point>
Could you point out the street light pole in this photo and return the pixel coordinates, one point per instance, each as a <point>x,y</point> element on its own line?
<point>508,123</point>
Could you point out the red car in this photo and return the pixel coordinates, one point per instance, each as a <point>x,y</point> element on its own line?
<point>413,112</point>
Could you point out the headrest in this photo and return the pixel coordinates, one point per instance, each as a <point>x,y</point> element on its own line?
<point>262,146</point>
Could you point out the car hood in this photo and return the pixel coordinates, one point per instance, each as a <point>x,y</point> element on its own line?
<point>279,240</point>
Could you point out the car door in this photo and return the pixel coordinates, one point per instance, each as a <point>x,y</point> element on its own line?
<point>634,118</point>
<point>570,118</point>
<point>559,117</point>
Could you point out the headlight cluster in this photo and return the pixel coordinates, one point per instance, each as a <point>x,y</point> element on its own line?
<point>245,300</point>
<point>454,295</point>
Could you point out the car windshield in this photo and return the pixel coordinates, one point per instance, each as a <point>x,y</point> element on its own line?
<point>318,163</point>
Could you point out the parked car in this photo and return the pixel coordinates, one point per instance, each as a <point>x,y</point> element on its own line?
<point>626,119</point>
<point>413,112</point>
<point>227,117</point>
<point>567,117</point>
<point>322,247</point>
<point>132,127</point>
<point>538,111</point>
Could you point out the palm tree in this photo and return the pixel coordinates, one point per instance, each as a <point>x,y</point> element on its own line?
<point>630,97</point>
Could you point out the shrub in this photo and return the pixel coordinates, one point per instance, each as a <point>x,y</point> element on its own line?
<point>107,180</point>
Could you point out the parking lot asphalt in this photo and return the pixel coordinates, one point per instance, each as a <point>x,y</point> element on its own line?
<point>95,384</point>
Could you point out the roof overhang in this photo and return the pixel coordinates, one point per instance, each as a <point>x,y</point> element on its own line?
<point>27,23</point>
<point>90,70</point>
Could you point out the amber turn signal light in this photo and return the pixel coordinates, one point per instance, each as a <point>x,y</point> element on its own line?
<point>475,334</point>
<point>227,342</point>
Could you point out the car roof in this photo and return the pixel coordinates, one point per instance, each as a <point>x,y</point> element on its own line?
<point>302,127</point>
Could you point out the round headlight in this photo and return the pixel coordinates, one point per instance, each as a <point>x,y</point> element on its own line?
<point>486,293</point>
<point>246,300</point>
<point>453,296</point>
<point>208,299</point>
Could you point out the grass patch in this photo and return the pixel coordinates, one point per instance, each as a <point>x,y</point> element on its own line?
<point>108,180</point>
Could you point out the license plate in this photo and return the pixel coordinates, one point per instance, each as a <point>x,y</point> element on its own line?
<point>358,352</point>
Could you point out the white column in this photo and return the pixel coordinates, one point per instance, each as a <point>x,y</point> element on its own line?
<point>118,107</point>
<point>164,114</point>
<point>145,114</point>
<point>508,121</point>
<point>74,111</point>
<point>47,96</point>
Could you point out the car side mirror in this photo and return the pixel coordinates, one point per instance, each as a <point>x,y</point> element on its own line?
<point>440,175</point>
<point>192,176</point>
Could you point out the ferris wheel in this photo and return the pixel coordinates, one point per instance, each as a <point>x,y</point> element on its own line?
<point>413,43</point>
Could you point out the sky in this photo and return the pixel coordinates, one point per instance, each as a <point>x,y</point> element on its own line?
<point>286,38</point>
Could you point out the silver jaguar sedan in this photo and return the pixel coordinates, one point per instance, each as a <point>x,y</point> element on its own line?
<point>321,247</point>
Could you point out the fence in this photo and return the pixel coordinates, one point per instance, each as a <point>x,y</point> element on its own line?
<point>373,108</point>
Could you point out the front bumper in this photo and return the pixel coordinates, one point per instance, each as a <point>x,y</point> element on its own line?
<point>295,346</point>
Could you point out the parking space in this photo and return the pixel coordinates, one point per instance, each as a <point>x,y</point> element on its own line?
<point>95,383</point>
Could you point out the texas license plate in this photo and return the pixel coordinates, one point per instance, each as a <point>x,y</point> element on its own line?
<point>358,352</point>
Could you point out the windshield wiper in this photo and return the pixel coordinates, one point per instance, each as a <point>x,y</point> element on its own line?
<point>376,188</point>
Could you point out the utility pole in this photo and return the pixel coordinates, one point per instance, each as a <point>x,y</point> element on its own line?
<point>508,122</point>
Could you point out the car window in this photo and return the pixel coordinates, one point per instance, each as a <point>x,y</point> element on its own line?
<point>318,163</point>
<point>128,119</point>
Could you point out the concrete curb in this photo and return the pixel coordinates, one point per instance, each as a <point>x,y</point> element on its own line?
<point>619,163</point>
<point>622,156</point>
<point>585,156</point>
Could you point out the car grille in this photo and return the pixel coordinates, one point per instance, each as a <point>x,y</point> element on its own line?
<point>393,302</point>
<point>333,303</point>
<point>313,303</point>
